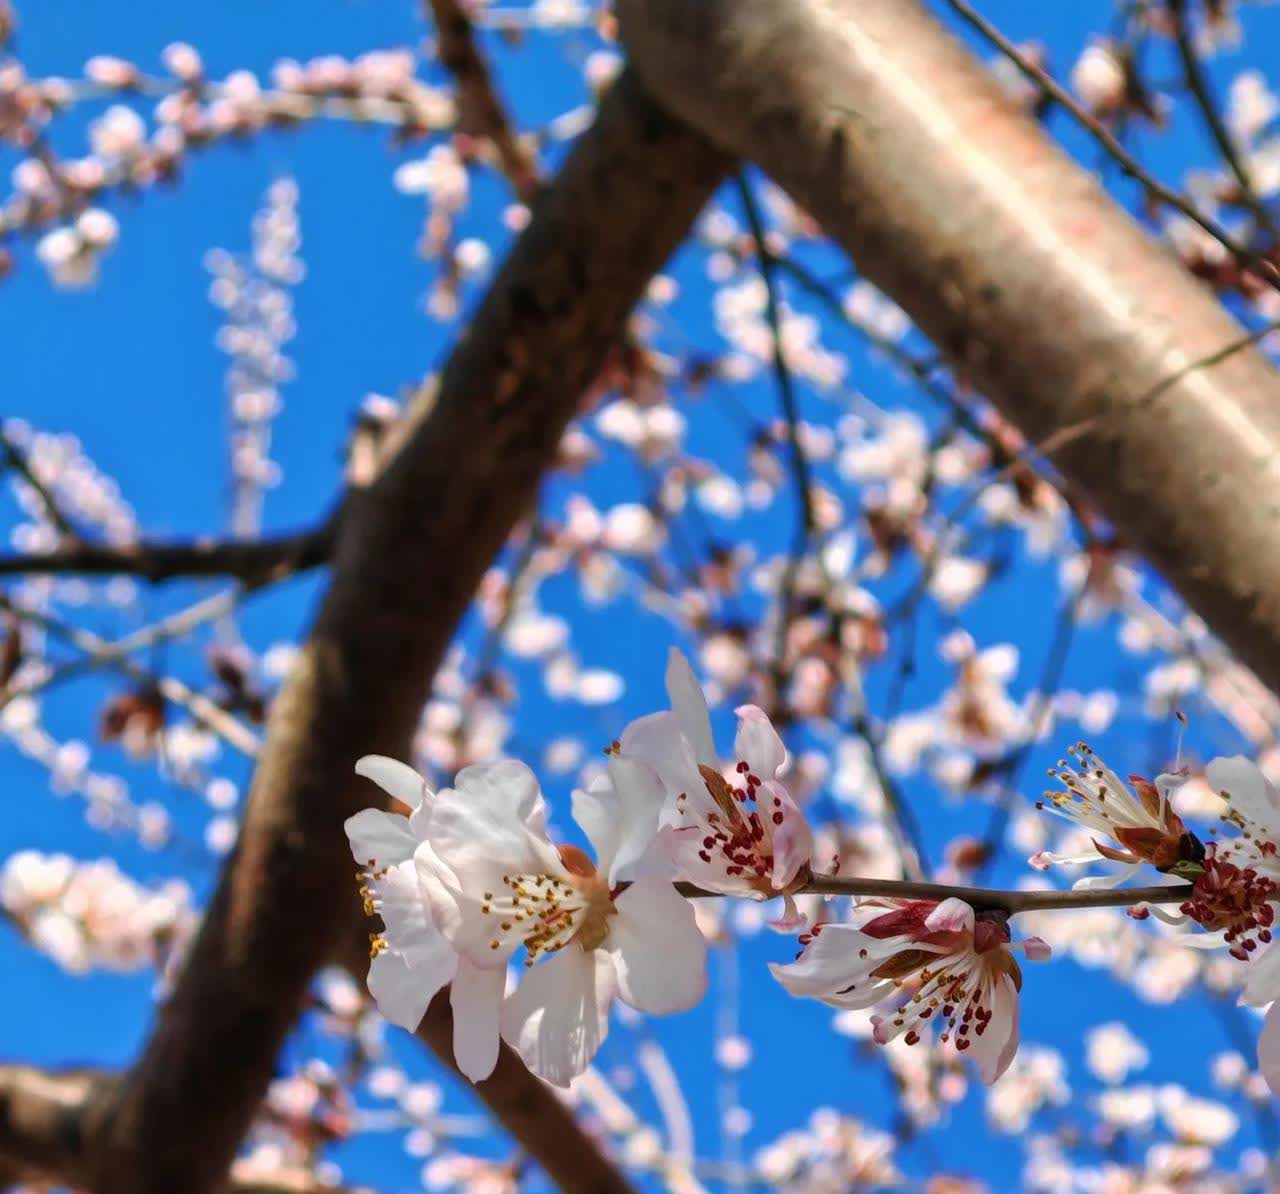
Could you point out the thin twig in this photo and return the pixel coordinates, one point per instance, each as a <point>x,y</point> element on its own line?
<point>981,898</point>
<point>17,461</point>
<point>256,561</point>
<point>1199,87</point>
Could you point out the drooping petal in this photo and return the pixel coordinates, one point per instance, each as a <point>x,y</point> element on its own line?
<point>690,706</point>
<point>476,997</point>
<point>379,839</point>
<point>661,956</point>
<point>792,837</point>
<point>995,1049</point>
<point>1262,977</point>
<point>758,743</point>
<point>837,965</point>
<point>952,915</point>
<point>559,1015</point>
<point>394,777</point>
<point>1250,792</point>
<point>1269,1049</point>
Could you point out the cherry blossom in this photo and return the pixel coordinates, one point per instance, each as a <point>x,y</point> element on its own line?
<point>1140,820</point>
<point>936,958</point>
<point>411,960</point>
<point>496,883</point>
<point>1239,889</point>
<point>735,830</point>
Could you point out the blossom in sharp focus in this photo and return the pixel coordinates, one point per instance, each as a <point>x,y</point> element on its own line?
<point>924,959</point>
<point>1239,888</point>
<point>411,960</point>
<point>743,835</point>
<point>1140,820</point>
<point>495,882</point>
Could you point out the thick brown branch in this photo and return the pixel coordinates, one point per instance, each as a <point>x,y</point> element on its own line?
<point>1014,261</point>
<point>410,552</point>
<point>481,111</point>
<point>255,561</point>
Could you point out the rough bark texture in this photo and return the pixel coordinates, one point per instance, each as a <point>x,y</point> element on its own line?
<point>1013,260</point>
<point>410,552</point>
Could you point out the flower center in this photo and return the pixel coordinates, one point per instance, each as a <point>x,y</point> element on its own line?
<point>547,912</point>
<point>739,830</point>
<point>1235,899</point>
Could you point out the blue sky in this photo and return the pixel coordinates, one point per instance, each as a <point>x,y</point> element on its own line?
<point>131,368</point>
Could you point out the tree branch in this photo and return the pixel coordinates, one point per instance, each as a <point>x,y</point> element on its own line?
<point>1011,258</point>
<point>989,898</point>
<point>254,561</point>
<point>481,111</point>
<point>410,552</point>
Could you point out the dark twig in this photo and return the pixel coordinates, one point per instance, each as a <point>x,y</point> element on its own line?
<point>254,561</point>
<point>1200,89</point>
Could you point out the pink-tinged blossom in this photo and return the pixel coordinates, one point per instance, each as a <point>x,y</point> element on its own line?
<point>923,959</point>
<point>496,883</point>
<point>1239,889</point>
<point>740,835</point>
<point>1140,819</point>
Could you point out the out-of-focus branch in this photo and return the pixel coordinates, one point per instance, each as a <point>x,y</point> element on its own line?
<point>1012,259</point>
<point>42,1122</point>
<point>1199,87</point>
<point>481,111</point>
<point>254,561</point>
<point>410,552</point>
<point>16,460</point>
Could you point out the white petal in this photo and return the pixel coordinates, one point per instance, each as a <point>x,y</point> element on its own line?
<point>758,742</point>
<point>401,993</point>
<point>658,740</point>
<point>1269,1049</point>
<point>476,997</point>
<point>952,915</point>
<point>792,840</point>
<point>619,814</point>
<point>1252,794</point>
<point>380,839</point>
<point>994,1050</point>
<point>1262,977</point>
<point>660,954</point>
<point>831,967</point>
<point>690,706</point>
<point>494,823</point>
<point>394,777</point>
<point>559,1015</point>
<point>505,788</point>
<point>411,929</point>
